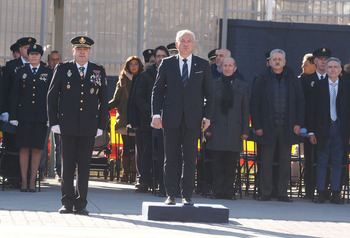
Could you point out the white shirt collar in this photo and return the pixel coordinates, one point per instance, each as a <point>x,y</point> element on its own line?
<point>37,67</point>
<point>85,67</point>
<point>24,61</point>
<point>189,63</point>
<point>319,75</point>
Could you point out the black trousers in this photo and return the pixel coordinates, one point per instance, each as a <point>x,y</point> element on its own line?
<point>76,153</point>
<point>180,143</point>
<point>224,171</point>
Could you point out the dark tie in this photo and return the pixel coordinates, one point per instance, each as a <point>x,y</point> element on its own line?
<point>321,77</point>
<point>34,70</point>
<point>81,72</point>
<point>184,75</point>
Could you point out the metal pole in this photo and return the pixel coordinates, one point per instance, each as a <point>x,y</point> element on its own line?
<point>269,8</point>
<point>140,26</point>
<point>43,24</point>
<point>224,26</point>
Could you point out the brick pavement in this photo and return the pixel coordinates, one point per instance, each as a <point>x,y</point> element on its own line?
<point>115,209</point>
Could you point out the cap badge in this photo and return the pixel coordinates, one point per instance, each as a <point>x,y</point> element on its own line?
<point>30,40</point>
<point>69,73</point>
<point>34,46</point>
<point>82,40</point>
<point>149,52</point>
<point>323,50</point>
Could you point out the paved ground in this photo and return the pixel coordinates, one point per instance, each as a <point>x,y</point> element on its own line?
<point>115,210</point>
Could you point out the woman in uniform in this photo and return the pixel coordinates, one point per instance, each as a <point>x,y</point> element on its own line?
<point>28,112</point>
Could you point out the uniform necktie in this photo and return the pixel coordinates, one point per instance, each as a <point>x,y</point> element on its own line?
<point>81,72</point>
<point>34,70</point>
<point>333,105</point>
<point>184,75</point>
<point>321,77</point>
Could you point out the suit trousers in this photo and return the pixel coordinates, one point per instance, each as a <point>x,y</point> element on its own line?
<point>308,175</point>
<point>284,159</point>
<point>333,150</point>
<point>76,152</point>
<point>180,143</point>
<point>146,158</point>
<point>224,171</point>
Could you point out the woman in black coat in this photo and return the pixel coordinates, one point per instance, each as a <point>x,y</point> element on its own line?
<point>229,126</point>
<point>28,112</point>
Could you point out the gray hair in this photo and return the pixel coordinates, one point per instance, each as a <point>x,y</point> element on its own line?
<point>278,51</point>
<point>179,35</point>
<point>227,58</point>
<point>226,50</point>
<point>333,59</point>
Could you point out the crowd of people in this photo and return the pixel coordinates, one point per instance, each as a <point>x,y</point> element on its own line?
<point>164,105</point>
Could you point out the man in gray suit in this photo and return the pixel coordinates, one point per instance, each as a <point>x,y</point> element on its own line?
<point>177,107</point>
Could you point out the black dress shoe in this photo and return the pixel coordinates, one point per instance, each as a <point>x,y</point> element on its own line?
<point>284,199</point>
<point>170,201</point>
<point>32,190</point>
<point>161,194</point>
<point>187,202</point>
<point>264,198</point>
<point>82,211</point>
<point>229,197</point>
<point>23,190</point>
<point>65,210</point>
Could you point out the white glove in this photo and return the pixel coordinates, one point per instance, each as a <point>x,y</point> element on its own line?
<point>14,122</point>
<point>47,124</point>
<point>99,133</point>
<point>56,129</point>
<point>5,116</point>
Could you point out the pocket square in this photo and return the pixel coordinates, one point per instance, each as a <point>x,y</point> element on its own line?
<point>198,72</point>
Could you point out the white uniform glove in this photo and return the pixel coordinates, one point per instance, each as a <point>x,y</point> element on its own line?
<point>56,129</point>
<point>47,124</point>
<point>5,116</point>
<point>14,122</point>
<point>99,133</point>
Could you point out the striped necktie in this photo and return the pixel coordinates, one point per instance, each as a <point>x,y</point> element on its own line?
<point>184,75</point>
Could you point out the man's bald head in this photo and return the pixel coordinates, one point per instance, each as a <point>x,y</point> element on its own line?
<point>221,54</point>
<point>228,66</point>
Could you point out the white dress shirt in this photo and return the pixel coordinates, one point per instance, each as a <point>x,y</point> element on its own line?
<point>85,67</point>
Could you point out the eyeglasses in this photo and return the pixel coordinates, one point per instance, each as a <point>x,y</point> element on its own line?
<point>161,56</point>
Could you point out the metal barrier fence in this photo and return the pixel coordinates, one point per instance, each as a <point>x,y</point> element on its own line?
<point>122,28</point>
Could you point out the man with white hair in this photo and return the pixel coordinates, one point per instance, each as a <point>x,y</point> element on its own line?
<point>177,107</point>
<point>277,110</point>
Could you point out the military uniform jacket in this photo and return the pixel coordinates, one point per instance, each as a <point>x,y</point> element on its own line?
<point>78,106</point>
<point>9,74</point>
<point>28,94</point>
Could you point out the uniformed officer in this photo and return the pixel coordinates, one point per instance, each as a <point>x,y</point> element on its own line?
<point>28,112</point>
<point>212,56</point>
<point>148,56</point>
<point>15,50</point>
<point>77,109</point>
<point>172,49</point>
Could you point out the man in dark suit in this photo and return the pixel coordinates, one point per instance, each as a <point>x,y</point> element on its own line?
<point>277,112</point>
<point>308,81</point>
<point>328,126</point>
<point>181,83</point>
<point>77,109</point>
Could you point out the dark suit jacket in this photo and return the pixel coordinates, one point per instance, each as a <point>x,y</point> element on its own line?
<point>262,106</point>
<point>78,106</point>
<point>174,101</point>
<point>143,96</point>
<point>9,76</point>
<point>319,114</point>
<point>28,94</point>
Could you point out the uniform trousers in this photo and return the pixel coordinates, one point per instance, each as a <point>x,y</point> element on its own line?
<point>333,150</point>
<point>284,159</point>
<point>180,143</point>
<point>76,153</point>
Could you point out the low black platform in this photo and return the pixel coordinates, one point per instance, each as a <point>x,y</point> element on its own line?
<point>213,213</point>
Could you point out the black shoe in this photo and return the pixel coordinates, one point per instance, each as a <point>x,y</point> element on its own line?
<point>307,197</point>
<point>65,210</point>
<point>321,198</point>
<point>229,197</point>
<point>82,211</point>
<point>23,190</point>
<point>142,188</point>
<point>187,202</point>
<point>336,198</point>
<point>264,198</point>
<point>216,196</point>
<point>284,199</point>
<point>170,201</point>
